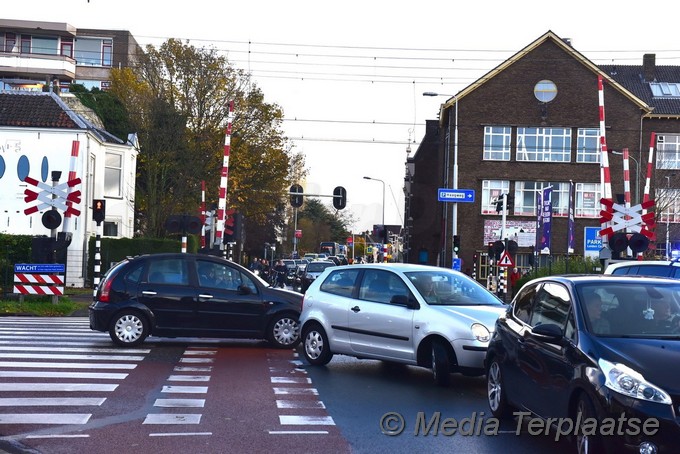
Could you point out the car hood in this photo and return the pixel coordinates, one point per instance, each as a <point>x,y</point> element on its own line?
<point>486,315</point>
<point>280,294</point>
<point>650,357</point>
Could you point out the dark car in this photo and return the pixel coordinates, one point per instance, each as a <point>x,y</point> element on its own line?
<point>191,295</point>
<point>312,271</point>
<point>596,357</point>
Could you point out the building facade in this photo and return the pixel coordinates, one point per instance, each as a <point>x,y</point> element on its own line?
<point>46,132</point>
<point>533,123</point>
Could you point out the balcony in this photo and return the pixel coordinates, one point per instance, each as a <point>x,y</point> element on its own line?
<point>36,66</point>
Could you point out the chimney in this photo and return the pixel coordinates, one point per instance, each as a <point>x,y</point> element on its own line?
<point>649,67</point>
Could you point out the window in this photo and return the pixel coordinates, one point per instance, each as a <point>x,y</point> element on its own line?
<point>545,90</point>
<point>67,47</point>
<point>588,145</point>
<point>25,44</point>
<point>552,306</point>
<point>380,286</point>
<point>665,90</point>
<point>169,271</point>
<point>10,42</point>
<point>668,151</point>
<point>523,303</point>
<point>587,200</point>
<point>94,51</point>
<point>112,175</point>
<point>525,197</point>
<point>497,143</point>
<point>544,144</point>
<point>491,190</point>
<point>110,229</point>
<point>340,283</point>
<point>44,45</point>
<point>670,198</point>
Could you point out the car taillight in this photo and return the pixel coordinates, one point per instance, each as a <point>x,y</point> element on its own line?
<point>105,292</point>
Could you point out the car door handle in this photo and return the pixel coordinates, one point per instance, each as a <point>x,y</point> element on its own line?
<point>356,309</point>
<point>148,292</point>
<point>202,296</point>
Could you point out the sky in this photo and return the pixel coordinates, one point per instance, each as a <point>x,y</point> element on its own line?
<point>350,76</point>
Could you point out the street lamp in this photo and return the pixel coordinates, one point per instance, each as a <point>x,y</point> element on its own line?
<point>637,175</point>
<point>454,212</point>
<point>383,199</point>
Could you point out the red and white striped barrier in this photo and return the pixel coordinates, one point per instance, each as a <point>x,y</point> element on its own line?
<point>38,284</point>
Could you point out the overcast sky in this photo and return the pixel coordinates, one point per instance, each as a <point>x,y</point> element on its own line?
<point>350,75</point>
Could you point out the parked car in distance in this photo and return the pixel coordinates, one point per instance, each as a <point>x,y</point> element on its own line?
<point>573,348</point>
<point>312,271</point>
<point>192,295</point>
<point>413,314</point>
<point>662,268</point>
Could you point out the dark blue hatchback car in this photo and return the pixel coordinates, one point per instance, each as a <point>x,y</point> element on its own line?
<point>595,358</point>
<point>192,295</point>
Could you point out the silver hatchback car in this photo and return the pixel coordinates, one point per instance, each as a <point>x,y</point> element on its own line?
<point>413,314</point>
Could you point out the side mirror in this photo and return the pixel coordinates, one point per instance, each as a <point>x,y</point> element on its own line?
<point>244,290</point>
<point>404,300</point>
<point>548,332</point>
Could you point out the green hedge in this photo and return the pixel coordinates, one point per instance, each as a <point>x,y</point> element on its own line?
<point>17,249</point>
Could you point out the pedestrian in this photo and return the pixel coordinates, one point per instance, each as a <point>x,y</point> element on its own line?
<point>515,276</point>
<point>281,271</point>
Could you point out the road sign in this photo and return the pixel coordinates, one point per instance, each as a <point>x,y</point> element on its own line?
<point>456,195</point>
<point>456,264</point>
<point>506,260</point>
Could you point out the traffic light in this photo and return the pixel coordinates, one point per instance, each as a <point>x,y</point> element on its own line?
<point>51,219</point>
<point>456,243</point>
<point>638,243</point>
<point>510,203</point>
<point>339,198</point>
<point>98,210</point>
<point>296,197</point>
<point>499,205</point>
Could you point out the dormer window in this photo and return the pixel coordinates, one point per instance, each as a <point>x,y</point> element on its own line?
<point>665,89</point>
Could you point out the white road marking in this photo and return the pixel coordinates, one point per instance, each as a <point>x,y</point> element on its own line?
<point>54,374</point>
<point>57,387</point>
<point>188,403</point>
<point>299,404</point>
<point>72,357</point>
<point>42,365</point>
<point>179,434</point>
<point>185,389</point>
<point>163,418</point>
<point>189,378</point>
<point>50,401</point>
<point>44,418</point>
<point>305,380</point>
<point>297,420</point>
<point>304,391</point>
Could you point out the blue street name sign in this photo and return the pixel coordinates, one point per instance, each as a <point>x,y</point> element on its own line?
<point>39,268</point>
<point>455,195</point>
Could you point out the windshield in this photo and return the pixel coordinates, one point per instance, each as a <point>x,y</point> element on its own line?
<point>316,267</point>
<point>449,288</point>
<point>631,309</point>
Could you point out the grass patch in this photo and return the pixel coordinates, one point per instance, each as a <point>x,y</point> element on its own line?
<point>41,306</point>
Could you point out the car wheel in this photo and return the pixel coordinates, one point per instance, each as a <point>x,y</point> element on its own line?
<point>587,443</point>
<point>498,402</point>
<point>284,331</point>
<point>315,345</point>
<point>129,329</point>
<point>440,364</point>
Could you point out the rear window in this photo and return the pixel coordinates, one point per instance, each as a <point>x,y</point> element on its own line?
<point>645,270</point>
<point>316,267</point>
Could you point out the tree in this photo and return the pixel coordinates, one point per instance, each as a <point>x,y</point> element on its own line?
<point>179,95</point>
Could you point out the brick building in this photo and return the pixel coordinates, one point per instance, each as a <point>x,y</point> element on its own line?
<point>532,123</point>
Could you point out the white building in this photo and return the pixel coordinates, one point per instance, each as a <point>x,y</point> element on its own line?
<point>40,134</point>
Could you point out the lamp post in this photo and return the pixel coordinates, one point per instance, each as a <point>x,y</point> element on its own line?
<point>454,212</point>
<point>383,197</point>
<point>637,175</point>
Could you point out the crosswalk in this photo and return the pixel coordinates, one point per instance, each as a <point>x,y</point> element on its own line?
<point>54,371</point>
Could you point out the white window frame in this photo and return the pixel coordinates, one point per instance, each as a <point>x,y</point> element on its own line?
<point>668,151</point>
<point>545,148</point>
<point>560,194</point>
<point>113,175</point>
<point>497,143</point>
<point>671,201</point>
<point>587,197</point>
<point>588,148</point>
<point>491,190</point>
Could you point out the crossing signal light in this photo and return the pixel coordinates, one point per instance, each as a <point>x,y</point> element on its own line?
<point>456,243</point>
<point>339,198</point>
<point>98,210</point>
<point>296,197</point>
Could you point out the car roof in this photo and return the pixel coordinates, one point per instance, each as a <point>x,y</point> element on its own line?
<point>603,279</point>
<point>630,263</point>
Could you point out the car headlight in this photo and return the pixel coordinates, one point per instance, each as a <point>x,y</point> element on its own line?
<point>628,382</point>
<point>480,332</point>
